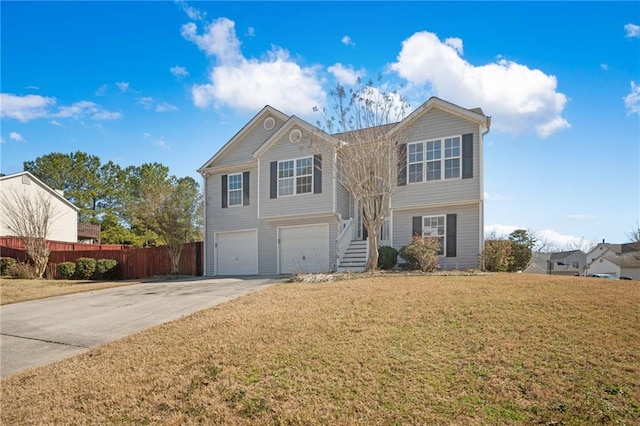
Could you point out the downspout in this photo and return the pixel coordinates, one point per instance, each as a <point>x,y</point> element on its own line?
<point>486,132</point>
<point>204,211</point>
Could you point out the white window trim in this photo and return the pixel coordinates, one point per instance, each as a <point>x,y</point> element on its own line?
<point>443,249</point>
<point>442,159</point>
<point>295,176</point>
<point>241,189</point>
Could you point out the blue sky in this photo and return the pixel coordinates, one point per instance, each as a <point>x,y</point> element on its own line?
<point>171,82</point>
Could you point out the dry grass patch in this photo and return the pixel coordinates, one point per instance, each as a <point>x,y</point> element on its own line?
<point>18,290</point>
<point>498,349</point>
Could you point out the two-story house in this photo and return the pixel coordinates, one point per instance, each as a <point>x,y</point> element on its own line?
<point>273,203</point>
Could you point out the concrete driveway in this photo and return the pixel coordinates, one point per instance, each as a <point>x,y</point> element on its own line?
<point>40,332</point>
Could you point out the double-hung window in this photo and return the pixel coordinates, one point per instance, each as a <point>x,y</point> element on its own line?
<point>434,160</point>
<point>295,176</point>
<point>434,227</point>
<point>234,189</point>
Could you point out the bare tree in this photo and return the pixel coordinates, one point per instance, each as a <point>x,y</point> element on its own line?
<point>367,159</point>
<point>583,245</point>
<point>30,218</point>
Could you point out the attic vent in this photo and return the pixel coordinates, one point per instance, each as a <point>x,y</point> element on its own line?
<point>295,136</point>
<point>26,180</point>
<point>269,123</point>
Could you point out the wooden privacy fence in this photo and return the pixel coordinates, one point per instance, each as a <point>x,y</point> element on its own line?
<point>17,243</point>
<point>133,263</point>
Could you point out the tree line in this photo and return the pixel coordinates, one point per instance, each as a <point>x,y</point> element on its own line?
<point>139,206</point>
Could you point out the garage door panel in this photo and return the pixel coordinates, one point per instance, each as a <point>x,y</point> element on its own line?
<point>304,249</point>
<point>237,253</point>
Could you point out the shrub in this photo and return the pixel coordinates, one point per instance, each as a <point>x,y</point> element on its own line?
<point>5,264</point>
<point>387,257</point>
<point>421,254</point>
<point>85,267</point>
<point>23,270</point>
<point>497,255</point>
<point>66,270</point>
<point>106,269</point>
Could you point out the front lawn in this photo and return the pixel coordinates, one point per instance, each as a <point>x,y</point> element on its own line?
<point>14,290</point>
<point>493,349</point>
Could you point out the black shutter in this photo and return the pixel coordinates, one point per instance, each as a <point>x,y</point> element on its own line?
<point>451,234</point>
<point>417,226</point>
<point>273,193</point>
<point>402,164</point>
<point>245,188</point>
<point>224,191</point>
<point>467,156</point>
<point>317,174</point>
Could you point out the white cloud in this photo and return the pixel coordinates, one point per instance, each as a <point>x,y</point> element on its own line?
<point>15,136</point>
<point>345,74</point>
<point>82,109</point>
<point>346,40</point>
<point>520,99</point>
<point>100,91</point>
<point>496,197</point>
<point>219,39</point>
<point>191,12</point>
<point>604,66</point>
<point>251,32</point>
<point>33,87</point>
<point>179,72</point>
<point>161,142</point>
<point>247,83</point>
<point>24,108</point>
<point>55,123</point>
<point>146,101</point>
<point>632,30</point>
<point>632,100</point>
<point>123,86</point>
<point>165,106</point>
<point>146,135</point>
<point>456,43</point>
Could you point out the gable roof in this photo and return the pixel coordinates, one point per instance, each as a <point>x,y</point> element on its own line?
<point>627,260</point>
<point>46,187</point>
<point>291,122</point>
<point>475,114</point>
<point>564,254</point>
<point>268,109</point>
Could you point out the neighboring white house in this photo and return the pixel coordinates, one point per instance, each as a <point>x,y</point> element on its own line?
<point>617,260</point>
<point>560,263</point>
<point>64,226</point>
<point>273,204</point>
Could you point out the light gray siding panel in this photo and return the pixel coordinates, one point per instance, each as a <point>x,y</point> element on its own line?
<point>343,202</point>
<point>243,149</point>
<point>268,241</point>
<point>468,232</point>
<point>438,124</point>
<point>303,204</point>
<point>230,218</point>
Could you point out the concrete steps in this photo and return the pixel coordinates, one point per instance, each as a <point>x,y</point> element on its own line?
<point>355,258</point>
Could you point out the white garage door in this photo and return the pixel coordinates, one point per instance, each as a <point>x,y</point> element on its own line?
<point>304,249</point>
<point>237,253</point>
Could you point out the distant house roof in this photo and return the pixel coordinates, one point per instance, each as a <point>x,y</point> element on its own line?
<point>626,260</point>
<point>46,187</point>
<point>564,254</point>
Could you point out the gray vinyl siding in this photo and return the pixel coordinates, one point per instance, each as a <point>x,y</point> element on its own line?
<point>230,218</point>
<point>303,204</point>
<point>242,151</point>
<point>438,124</point>
<point>469,232</point>
<point>268,240</point>
<point>343,200</point>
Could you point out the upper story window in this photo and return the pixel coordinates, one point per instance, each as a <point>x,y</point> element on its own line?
<point>428,160</point>
<point>235,189</point>
<point>295,176</point>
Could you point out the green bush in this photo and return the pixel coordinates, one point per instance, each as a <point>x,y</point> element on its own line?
<point>5,264</point>
<point>23,270</point>
<point>85,267</point>
<point>497,255</point>
<point>66,270</point>
<point>106,269</point>
<point>387,257</point>
<point>421,254</point>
